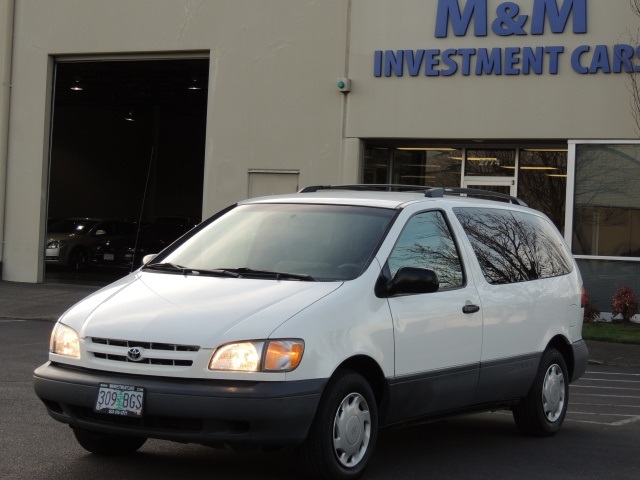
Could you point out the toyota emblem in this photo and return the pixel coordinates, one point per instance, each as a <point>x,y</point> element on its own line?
<point>135,354</point>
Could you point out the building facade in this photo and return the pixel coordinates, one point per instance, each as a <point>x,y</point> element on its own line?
<point>529,97</point>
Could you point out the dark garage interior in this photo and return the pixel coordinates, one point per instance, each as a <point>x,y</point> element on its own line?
<point>126,166</point>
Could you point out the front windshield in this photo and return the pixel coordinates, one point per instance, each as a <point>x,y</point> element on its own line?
<point>77,227</point>
<point>326,242</point>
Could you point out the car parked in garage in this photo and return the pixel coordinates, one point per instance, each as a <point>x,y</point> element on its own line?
<point>70,241</point>
<point>129,250</point>
<point>311,320</point>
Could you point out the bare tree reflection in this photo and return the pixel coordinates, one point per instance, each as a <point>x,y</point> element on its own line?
<point>544,190</point>
<point>512,246</point>
<point>426,242</point>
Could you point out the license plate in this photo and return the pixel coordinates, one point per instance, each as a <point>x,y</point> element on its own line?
<point>109,257</point>
<point>123,400</point>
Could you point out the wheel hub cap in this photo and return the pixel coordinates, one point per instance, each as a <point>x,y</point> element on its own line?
<point>351,430</point>
<point>553,393</point>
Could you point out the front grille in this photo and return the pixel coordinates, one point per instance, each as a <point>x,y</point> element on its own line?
<point>116,350</point>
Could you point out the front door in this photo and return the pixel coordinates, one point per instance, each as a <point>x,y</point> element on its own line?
<point>438,336</point>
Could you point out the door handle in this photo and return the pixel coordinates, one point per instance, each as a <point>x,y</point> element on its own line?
<point>470,308</point>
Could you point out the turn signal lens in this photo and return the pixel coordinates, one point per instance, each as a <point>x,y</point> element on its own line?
<point>585,298</point>
<point>64,341</point>
<point>283,355</point>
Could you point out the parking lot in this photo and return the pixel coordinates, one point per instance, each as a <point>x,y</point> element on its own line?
<point>598,440</point>
<point>606,396</point>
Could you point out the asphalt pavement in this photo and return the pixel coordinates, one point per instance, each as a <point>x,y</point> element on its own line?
<point>47,301</point>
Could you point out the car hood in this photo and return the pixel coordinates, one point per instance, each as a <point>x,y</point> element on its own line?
<point>62,236</point>
<point>192,310</point>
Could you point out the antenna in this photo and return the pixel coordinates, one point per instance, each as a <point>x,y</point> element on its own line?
<point>144,196</point>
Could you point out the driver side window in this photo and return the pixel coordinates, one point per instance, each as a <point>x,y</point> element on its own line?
<point>426,242</point>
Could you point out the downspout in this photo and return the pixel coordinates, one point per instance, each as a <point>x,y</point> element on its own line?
<point>5,98</point>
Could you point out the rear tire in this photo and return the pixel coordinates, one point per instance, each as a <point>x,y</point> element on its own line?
<point>105,444</point>
<point>344,432</point>
<point>78,259</point>
<point>542,411</point>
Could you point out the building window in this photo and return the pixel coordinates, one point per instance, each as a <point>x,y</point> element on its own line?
<point>542,181</point>
<point>425,166</point>
<point>484,162</point>
<point>606,219</point>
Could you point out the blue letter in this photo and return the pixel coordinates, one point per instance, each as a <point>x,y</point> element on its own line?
<point>489,63</point>
<point>450,10</point>
<point>393,62</point>
<point>414,61</point>
<point>511,60</point>
<point>600,60</point>
<point>530,59</point>
<point>543,9</point>
<point>575,59</point>
<point>554,53</point>
<point>466,53</point>
<point>449,62</point>
<point>377,64</point>
<point>431,62</point>
<point>622,55</point>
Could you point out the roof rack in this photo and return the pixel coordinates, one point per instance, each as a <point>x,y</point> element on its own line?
<point>432,192</point>
<point>388,187</point>
<point>439,192</point>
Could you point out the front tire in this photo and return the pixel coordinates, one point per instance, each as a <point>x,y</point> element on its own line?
<point>78,260</point>
<point>104,444</point>
<point>344,432</point>
<point>542,411</point>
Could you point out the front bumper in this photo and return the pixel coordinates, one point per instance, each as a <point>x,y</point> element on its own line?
<point>186,410</point>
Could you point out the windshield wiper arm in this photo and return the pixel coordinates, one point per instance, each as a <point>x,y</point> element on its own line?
<point>268,273</point>
<point>169,267</point>
<point>172,267</point>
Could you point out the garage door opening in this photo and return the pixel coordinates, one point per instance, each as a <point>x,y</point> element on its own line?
<point>126,163</point>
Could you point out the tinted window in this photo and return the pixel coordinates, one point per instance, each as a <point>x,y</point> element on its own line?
<point>328,242</point>
<point>513,246</point>
<point>426,242</point>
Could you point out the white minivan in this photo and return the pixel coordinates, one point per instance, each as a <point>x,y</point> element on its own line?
<point>313,319</point>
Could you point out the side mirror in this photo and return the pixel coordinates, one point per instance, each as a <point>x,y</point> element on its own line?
<point>100,233</point>
<point>414,280</point>
<point>147,258</point>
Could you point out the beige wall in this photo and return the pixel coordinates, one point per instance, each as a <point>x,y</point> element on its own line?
<point>566,105</point>
<point>273,101</point>
<point>6,35</point>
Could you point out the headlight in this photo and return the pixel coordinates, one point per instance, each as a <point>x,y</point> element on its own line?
<point>64,341</point>
<point>258,356</point>
<point>56,244</point>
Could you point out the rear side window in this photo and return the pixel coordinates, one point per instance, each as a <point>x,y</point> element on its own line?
<point>514,246</point>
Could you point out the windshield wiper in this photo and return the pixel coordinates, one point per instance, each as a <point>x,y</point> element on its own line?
<point>169,267</point>
<point>172,267</point>
<point>243,272</point>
